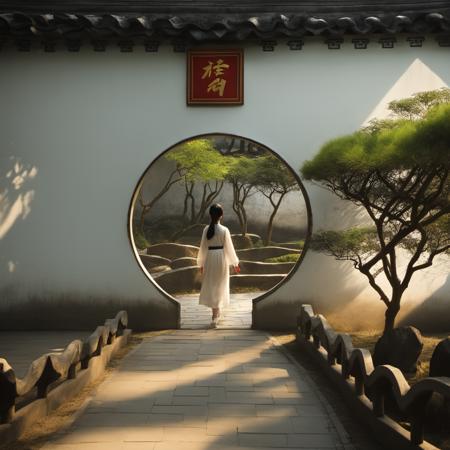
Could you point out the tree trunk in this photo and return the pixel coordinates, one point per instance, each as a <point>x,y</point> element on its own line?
<point>240,219</point>
<point>271,219</point>
<point>391,312</point>
<point>185,208</point>
<point>192,220</point>
<point>269,230</point>
<point>244,222</point>
<point>237,207</point>
<point>142,220</point>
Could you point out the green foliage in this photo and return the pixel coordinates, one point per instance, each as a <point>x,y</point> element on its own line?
<point>439,234</point>
<point>267,172</point>
<point>429,144</point>
<point>274,175</point>
<point>404,144</point>
<point>242,169</point>
<point>290,257</point>
<point>162,229</point>
<point>299,243</point>
<point>417,106</point>
<point>140,241</point>
<point>346,244</point>
<point>200,159</point>
<point>398,171</point>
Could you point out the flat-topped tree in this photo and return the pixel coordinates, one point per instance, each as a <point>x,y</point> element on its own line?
<point>398,171</point>
<point>147,204</point>
<point>242,176</point>
<point>204,167</point>
<point>274,181</point>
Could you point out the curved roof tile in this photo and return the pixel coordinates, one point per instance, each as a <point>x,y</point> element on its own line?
<point>225,20</point>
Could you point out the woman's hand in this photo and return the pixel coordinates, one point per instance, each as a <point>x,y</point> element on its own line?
<point>237,269</point>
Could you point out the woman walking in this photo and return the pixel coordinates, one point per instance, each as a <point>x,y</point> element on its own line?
<point>215,256</point>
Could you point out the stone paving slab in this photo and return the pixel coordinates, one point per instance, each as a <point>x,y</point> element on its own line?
<point>246,394</point>
<point>21,348</point>
<point>237,315</point>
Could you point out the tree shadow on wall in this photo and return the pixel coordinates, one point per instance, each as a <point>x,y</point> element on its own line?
<point>15,200</point>
<point>433,315</point>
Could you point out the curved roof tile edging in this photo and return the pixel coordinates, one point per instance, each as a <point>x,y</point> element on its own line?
<point>225,24</point>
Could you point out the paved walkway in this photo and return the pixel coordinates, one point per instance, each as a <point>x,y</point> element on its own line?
<point>205,390</point>
<point>237,315</point>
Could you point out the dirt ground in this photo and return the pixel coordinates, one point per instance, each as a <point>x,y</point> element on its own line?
<point>369,338</point>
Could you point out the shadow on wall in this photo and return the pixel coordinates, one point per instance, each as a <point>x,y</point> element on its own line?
<point>80,311</point>
<point>329,285</point>
<point>338,214</point>
<point>433,315</point>
<point>15,200</point>
<point>321,281</point>
<point>332,287</point>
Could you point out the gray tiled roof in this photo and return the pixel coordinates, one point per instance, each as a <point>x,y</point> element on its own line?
<point>225,20</point>
<point>227,6</point>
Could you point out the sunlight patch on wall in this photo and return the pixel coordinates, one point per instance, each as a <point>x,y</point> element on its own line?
<point>14,204</point>
<point>418,77</point>
<point>11,266</point>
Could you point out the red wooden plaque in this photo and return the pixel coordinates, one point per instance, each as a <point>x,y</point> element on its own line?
<point>215,77</point>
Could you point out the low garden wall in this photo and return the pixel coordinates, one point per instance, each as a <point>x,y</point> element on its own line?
<point>366,387</point>
<point>54,378</point>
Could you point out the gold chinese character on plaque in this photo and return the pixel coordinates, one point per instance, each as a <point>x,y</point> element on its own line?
<point>215,77</point>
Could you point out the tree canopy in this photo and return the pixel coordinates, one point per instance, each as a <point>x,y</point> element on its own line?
<point>403,145</point>
<point>418,105</point>
<point>200,159</point>
<point>398,171</point>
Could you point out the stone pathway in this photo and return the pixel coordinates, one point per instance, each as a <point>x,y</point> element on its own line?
<point>237,315</point>
<point>205,390</point>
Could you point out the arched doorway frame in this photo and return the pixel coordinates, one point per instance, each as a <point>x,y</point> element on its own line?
<point>134,197</point>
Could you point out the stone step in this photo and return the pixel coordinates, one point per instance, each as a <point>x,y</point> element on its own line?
<point>256,267</point>
<point>261,282</point>
<point>262,253</point>
<point>171,250</point>
<point>151,261</point>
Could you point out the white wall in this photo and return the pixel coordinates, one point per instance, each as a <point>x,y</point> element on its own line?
<point>85,126</point>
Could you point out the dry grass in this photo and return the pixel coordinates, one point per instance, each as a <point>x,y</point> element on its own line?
<point>63,417</point>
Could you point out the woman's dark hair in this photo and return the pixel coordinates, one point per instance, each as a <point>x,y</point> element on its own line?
<point>216,212</point>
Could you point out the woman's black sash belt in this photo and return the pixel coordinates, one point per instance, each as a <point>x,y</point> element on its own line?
<point>220,247</point>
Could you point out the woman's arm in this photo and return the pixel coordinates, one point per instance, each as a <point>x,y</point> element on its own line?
<point>201,256</point>
<point>228,248</point>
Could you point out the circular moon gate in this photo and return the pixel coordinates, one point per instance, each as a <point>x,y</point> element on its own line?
<point>266,209</point>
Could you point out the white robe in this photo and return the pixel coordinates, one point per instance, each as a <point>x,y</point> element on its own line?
<point>215,291</point>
